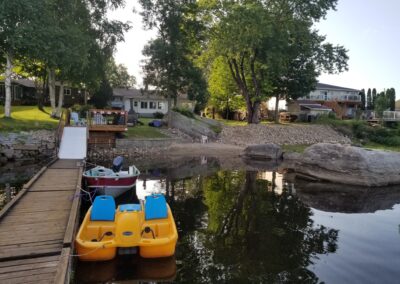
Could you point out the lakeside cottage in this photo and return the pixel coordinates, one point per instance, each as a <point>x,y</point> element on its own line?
<point>344,102</point>
<point>25,92</point>
<point>145,103</point>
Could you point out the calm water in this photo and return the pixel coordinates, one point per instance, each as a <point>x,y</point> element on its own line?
<point>15,175</point>
<point>241,226</point>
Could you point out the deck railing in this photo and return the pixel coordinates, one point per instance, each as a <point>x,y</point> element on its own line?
<point>107,120</point>
<point>391,115</point>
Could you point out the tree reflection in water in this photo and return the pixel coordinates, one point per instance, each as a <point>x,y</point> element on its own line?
<point>247,232</point>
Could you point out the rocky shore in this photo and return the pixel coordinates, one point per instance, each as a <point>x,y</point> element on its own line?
<point>281,134</point>
<point>32,145</point>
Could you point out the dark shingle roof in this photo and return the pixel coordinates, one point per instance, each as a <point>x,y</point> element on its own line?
<point>136,93</point>
<point>322,86</point>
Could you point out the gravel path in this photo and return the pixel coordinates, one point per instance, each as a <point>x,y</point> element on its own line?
<point>280,134</point>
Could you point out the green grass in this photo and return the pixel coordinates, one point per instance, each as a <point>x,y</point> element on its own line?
<point>376,146</point>
<point>295,148</point>
<point>144,131</point>
<point>239,123</point>
<point>25,118</point>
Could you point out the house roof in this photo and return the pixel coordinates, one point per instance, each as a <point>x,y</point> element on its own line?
<point>322,86</point>
<point>136,93</point>
<point>312,105</point>
<point>30,83</point>
<point>23,82</point>
<point>315,106</point>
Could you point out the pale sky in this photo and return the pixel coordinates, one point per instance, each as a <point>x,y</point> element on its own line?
<point>369,29</point>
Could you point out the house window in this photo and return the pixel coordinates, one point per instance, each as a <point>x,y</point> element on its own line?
<point>152,105</point>
<point>143,105</point>
<point>2,92</point>
<point>16,93</point>
<point>135,103</point>
<point>160,105</point>
<point>67,91</point>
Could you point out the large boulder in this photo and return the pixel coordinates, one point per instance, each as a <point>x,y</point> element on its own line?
<point>350,165</point>
<point>267,151</point>
<point>196,128</point>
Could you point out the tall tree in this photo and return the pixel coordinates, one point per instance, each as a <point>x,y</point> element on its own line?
<point>169,65</point>
<point>224,94</point>
<point>118,76</point>
<point>391,97</point>
<point>21,23</point>
<point>381,103</point>
<point>362,95</point>
<point>263,45</point>
<point>374,97</point>
<point>369,99</point>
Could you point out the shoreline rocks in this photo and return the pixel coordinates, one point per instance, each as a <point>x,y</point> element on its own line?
<point>32,145</point>
<point>267,151</point>
<point>351,165</point>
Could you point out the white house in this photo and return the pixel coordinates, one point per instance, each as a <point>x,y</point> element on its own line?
<point>145,103</point>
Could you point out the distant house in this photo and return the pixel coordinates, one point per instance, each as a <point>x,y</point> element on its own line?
<point>344,101</point>
<point>306,110</point>
<point>145,103</point>
<point>23,92</point>
<point>397,107</point>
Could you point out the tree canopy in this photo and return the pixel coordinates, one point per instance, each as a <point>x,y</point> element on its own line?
<point>169,66</point>
<point>270,47</point>
<point>56,39</point>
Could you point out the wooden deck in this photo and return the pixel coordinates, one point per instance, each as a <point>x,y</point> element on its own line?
<point>37,226</point>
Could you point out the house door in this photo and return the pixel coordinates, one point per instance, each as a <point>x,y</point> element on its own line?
<point>131,104</point>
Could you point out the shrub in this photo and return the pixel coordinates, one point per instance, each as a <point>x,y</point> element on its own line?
<point>184,111</point>
<point>81,109</point>
<point>158,115</point>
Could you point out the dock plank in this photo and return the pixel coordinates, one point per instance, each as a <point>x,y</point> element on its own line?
<point>34,229</point>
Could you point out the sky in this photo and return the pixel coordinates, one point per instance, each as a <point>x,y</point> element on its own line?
<point>368,29</point>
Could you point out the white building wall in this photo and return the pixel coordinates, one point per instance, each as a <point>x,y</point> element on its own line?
<point>142,106</point>
<point>281,104</point>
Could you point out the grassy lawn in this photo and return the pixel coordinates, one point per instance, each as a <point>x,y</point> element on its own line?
<point>239,123</point>
<point>376,146</point>
<point>144,131</point>
<point>295,148</point>
<point>26,118</point>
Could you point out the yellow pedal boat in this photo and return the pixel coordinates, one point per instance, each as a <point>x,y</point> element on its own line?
<point>148,228</point>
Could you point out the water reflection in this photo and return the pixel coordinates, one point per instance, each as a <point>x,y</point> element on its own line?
<point>250,233</point>
<point>263,226</point>
<point>347,199</point>
<point>124,269</point>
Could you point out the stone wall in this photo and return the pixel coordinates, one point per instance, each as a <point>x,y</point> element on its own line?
<point>133,148</point>
<point>32,145</point>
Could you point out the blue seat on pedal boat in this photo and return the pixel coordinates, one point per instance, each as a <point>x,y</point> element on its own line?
<point>103,208</point>
<point>155,207</point>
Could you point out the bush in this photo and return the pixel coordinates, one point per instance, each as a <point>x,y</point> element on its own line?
<point>81,109</point>
<point>184,111</point>
<point>158,115</point>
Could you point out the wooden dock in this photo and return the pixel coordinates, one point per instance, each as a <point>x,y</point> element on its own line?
<point>37,227</point>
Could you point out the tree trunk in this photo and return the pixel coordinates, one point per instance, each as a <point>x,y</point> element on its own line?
<point>52,90</point>
<point>60,99</point>
<point>7,83</point>
<point>253,112</point>
<point>277,109</point>
<point>169,110</point>
<point>237,70</point>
